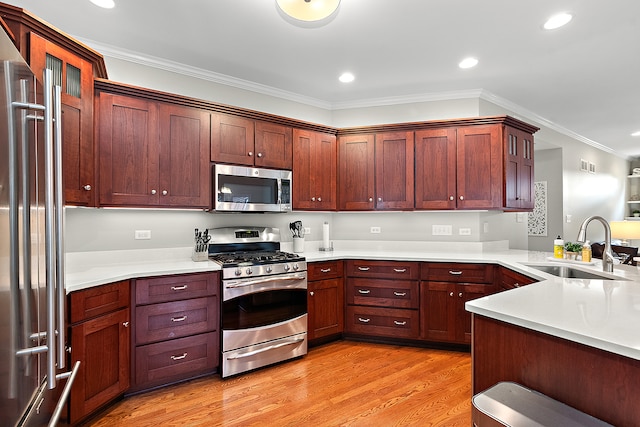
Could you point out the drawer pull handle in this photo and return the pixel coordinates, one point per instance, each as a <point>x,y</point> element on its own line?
<point>400,294</point>
<point>363,268</point>
<point>179,319</point>
<point>364,291</point>
<point>400,270</point>
<point>179,357</point>
<point>325,270</point>
<point>179,288</point>
<point>360,319</point>
<point>455,273</point>
<point>399,323</point>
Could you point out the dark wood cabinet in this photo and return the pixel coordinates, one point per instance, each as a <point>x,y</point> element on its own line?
<point>376,171</point>
<point>445,288</point>
<point>176,333</point>
<point>325,299</point>
<point>100,339</point>
<point>152,154</point>
<point>509,279</point>
<point>382,299</point>
<point>314,170</point>
<point>243,141</point>
<point>519,179</point>
<point>436,173</point>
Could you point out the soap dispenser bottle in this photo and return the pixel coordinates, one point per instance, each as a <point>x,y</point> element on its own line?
<point>558,248</point>
<point>586,252</point>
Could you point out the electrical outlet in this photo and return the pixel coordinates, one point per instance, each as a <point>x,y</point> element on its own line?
<point>464,231</point>
<point>441,230</point>
<point>568,218</point>
<point>307,231</point>
<point>142,234</point>
<point>375,230</point>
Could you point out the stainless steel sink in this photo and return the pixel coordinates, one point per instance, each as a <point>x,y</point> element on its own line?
<point>571,272</point>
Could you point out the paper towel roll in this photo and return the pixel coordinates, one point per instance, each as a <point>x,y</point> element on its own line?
<point>325,235</point>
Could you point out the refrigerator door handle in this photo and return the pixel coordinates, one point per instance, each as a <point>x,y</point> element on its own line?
<point>65,393</point>
<point>59,223</point>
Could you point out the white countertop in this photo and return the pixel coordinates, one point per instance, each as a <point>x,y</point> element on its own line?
<point>598,313</point>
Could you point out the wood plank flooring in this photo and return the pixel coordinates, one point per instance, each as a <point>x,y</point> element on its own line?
<point>344,383</point>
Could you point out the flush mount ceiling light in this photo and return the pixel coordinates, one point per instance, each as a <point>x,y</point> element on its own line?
<point>557,21</point>
<point>106,4</point>
<point>468,63</point>
<point>637,133</point>
<point>346,77</point>
<point>308,10</point>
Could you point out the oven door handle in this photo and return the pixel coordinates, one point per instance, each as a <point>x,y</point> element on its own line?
<point>264,280</point>
<point>262,350</point>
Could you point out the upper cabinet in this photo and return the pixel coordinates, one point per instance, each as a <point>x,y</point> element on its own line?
<point>152,153</point>
<point>248,142</point>
<point>314,170</point>
<point>73,67</point>
<point>376,171</point>
<point>519,178</point>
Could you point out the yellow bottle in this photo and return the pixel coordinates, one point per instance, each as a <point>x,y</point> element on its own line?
<point>558,248</point>
<point>586,252</point>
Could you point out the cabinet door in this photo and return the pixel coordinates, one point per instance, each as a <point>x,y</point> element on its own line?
<point>394,170</point>
<point>314,170</point>
<point>479,167</point>
<point>129,151</point>
<point>232,139</point>
<point>273,146</point>
<point>325,308</point>
<point>464,293</point>
<point>102,345</point>
<point>519,185</point>
<point>184,157</point>
<point>436,169</point>
<point>437,311</point>
<point>75,76</point>
<point>356,172</point>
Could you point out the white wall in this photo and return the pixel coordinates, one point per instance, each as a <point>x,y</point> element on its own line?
<point>548,168</point>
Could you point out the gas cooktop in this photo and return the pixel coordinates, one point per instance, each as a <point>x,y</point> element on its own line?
<point>234,259</point>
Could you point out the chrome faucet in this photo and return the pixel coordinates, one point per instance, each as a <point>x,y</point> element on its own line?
<point>607,255</point>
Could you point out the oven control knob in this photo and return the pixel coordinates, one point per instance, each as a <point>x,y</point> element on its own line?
<point>269,269</point>
<point>296,266</point>
<point>238,272</point>
<point>249,271</point>
<point>287,267</point>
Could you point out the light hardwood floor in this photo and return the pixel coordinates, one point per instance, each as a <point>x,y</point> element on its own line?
<point>344,383</point>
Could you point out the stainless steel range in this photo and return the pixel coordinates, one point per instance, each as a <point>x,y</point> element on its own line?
<point>264,298</point>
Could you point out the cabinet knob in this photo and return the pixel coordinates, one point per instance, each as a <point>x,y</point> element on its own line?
<point>87,187</point>
<point>379,199</point>
<point>313,199</point>
<point>153,191</point>
<point>259,154</point>
<point>450,294</point>
<point>461,197</point>
<point>165,192</point>
<point>460,295</point>
<point>311,293</point>
<point>319,199</point>
<point>125,324</point>
<point>451,197</point>
<point>250,153</point>
<point>371,199</point>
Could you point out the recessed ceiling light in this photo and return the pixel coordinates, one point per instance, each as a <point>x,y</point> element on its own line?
<point>346,77</point>
<point>107,4</point>
<point>636,133</point>
<point>468,63</point>
<point>557,21</point>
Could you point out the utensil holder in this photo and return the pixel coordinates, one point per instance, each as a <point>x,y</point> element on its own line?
<point>298,244</point>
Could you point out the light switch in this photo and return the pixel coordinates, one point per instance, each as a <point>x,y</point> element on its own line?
<point>568,218</point>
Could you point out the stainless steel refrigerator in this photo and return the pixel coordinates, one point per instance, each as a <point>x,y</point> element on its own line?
<point>33,381</point>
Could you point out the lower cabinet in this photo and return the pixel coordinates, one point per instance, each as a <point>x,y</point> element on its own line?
<point>382,299</point>
<point>445,288</point>
<point>325,300</point>
<point>509,279</point>
<point>100,339</point>
<point>176,334</point>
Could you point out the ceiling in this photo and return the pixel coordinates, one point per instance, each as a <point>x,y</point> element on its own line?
<point>583,78</point>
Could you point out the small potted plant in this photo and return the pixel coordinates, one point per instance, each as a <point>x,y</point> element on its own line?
<point>572,250</point>
<point>636,213</point>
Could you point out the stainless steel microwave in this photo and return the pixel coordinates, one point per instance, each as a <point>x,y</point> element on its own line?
<point>245,189</point>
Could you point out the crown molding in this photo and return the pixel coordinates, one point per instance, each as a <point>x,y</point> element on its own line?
<point>199,73</point>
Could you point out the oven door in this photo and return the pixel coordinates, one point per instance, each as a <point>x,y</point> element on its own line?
<point>243,189</point>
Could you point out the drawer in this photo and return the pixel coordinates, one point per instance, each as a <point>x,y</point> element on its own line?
<point>383,293</point>
<point>175,360</point>
<point>388,322</point>
<point>92,302</point>
<point>158,322</point>
<point>324,270</point>
<point>457,272</point>
<point>383,269</point>
<point>173,288</point>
